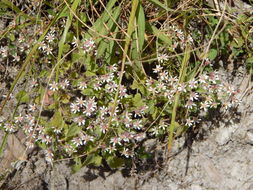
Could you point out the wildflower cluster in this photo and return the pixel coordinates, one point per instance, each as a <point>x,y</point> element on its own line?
<point>93,119</point>
<point>77,102</point>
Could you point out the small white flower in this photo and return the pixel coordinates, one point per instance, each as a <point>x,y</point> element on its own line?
<point>30,119</point>
<point>77,141</point>
<point>74,108</point>
<point>90,106</point>
<point>158,69</point>
<point>189,122</point>
<point>104,127</point>
<point>88,45</point>
<point>42,46</point>
<point>80,120</point>
<point>192,84</point>
<point>48,50</point>
<point>50,37</point>
<point>115,141</point>
<point>204,105</point>
<point>49,156</point>
<point>64,84</point>
<point>190,104</point>
<point>80,102</point>
<point>203,78</point>
<point>34,83</point>
<point>75,42</point>
<point>163,76</point>
<point>194,96</point>
<point>162,57</point>
<point>82,85</point>
<point>140,136</point>
<point>19,119</point>
<point>9,127</point>
<point>57,131</point>
<point>137,124</point>
<point>113,68</point>
<point>53,86</point>
<point>32,107</point>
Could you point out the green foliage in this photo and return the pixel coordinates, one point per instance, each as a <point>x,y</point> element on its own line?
<point>111,76</point>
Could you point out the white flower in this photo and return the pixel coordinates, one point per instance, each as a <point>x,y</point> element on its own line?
<point>194,96</point>
<point>122,91</point>
<point>75,42</point>
<point>80,120</point>
<point>32,107</point>
<point>50,37</point>
<point>137,124</point>
<point>42,46</point>
<point>162,57</point>
<point>163,75</point>
<point>203,78</point>
<point>74,108</point>
<point>192,84</point>
<point>113,68</point>
<point>90,106</point>
<point>82,85</point>
<point>104,127</point>
<point>9,127</point>
<point>57,131</point>
<point>88,45</point>
<point>19,119</point>
<point>103,111</point>
<point>97,86</point>
<point>181,87</point>
<point>190,104</point>
<point>45,139</point>
<point>77,141</point>
<point>127,153</point>
<point>30,119</point>
<point>49,156</point>
<point>189,122</point>
<point>34,83</point>
<point>53,86</point>
<point>158,69</point>
<point>48,50</point>
<point>115,141</point>
<point>160,87</point>
<point>80,102</point>
<point>111,87</point>
<point>64,84</point>
<point>204,105</point>
<point>140,136</point>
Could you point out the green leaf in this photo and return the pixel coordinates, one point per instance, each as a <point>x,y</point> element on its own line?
<point>93,159</point>
<point>159,34</point>
<point>114,162</point>
<point>22,96</point>
<point>212,54</point>
<point>90,74</point>
<point>77,166</point>
<point>161,5</point>
<point>141,26</point>
<point>87,92</point>
<point>72,131</point>
<point>249,60</point>
<point>137,100</point>
<point>57,120</point>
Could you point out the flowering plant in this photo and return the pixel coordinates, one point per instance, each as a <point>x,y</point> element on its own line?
<point>92,97</point>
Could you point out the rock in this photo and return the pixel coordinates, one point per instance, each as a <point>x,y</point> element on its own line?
<point>196,187</point>
<point>249,136</point>
<point>224,135</point>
